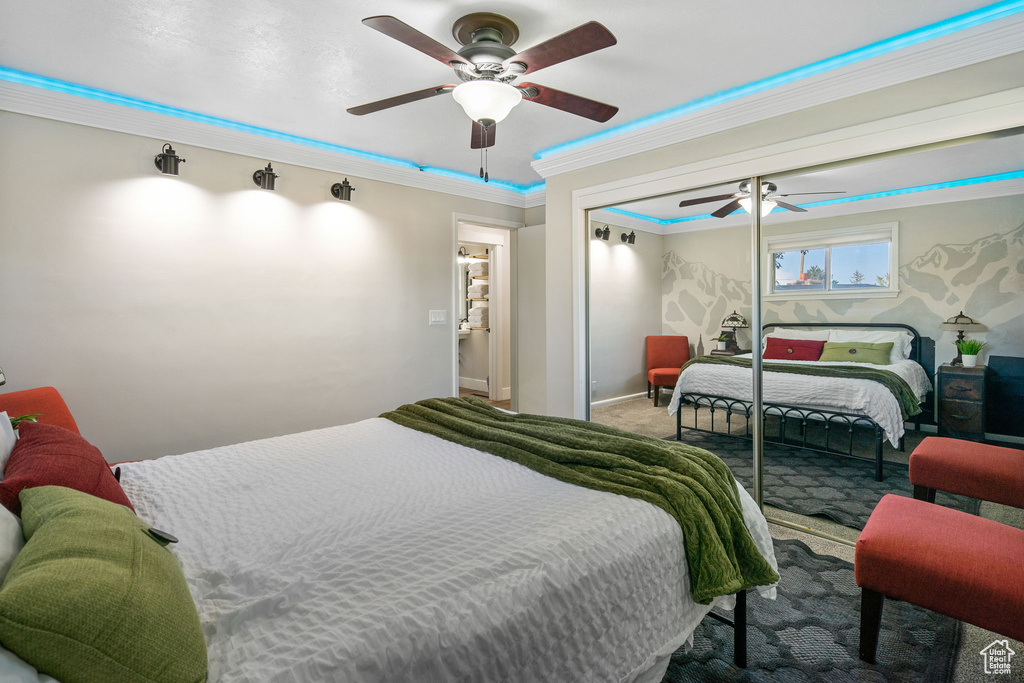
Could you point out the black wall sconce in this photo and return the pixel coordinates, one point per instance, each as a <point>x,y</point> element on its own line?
<point>342,191</point>
<point>603,234</point>
<point>167,161</point>
<point>265,178</point>
<point>630,238</point>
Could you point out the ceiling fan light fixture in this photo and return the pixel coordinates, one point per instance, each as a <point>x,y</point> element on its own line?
<point>485,100</point>
<point>766,205</point>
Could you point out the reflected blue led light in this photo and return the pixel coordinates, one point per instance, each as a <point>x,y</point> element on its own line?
<point>976,17</point>
<point>66,87</point>
<point>978,180</point>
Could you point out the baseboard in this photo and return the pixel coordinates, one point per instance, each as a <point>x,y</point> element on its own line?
<point>474,384</point>
<point>505,394</point>
<point>617,399</point>
<point>1005,438</point>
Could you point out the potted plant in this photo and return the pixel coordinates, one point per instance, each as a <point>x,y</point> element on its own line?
<point>969,349</point>
<point>723,341</point>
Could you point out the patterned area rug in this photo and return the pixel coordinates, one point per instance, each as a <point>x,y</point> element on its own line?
<point>810,633</point>
<point>809,483</point>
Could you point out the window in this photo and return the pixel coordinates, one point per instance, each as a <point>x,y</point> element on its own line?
<point>844,263</point>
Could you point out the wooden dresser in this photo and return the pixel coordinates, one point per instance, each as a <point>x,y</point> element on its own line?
<point>962,402</point>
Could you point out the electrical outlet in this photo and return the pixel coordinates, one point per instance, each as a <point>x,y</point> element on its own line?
<point>439,317</point>
<point>593,387</point>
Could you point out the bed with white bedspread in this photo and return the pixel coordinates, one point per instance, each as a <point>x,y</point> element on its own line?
<point>802,398</point>
<point>373,552</point>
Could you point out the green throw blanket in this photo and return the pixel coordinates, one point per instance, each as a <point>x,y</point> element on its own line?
<point>898,386</point>
<point>691,484</point>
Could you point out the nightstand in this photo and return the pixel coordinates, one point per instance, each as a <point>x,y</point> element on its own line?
<point>962,402</point>
<point>738,351</point>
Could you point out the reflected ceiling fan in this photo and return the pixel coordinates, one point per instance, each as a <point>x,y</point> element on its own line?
<point>488,67</point>
<point>741,200</point>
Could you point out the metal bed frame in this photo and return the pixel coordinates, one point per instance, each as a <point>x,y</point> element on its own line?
<point>921,349</point>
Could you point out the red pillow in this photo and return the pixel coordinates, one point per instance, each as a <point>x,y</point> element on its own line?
<point>793,349</point>
<point>48,455</point>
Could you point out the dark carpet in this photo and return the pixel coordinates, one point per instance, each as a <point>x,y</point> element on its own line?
<point>809,483</point>
<point>810,633</point>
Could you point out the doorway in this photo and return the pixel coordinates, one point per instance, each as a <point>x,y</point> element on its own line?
<point>484,287</point>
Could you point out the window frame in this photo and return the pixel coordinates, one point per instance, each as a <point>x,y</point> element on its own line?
<point>827,239</point>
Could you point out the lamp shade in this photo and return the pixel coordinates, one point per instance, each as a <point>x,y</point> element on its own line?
<point>487,100</point>
<point>735,320</point>
<point>766,205</point>
<point>962,322</point>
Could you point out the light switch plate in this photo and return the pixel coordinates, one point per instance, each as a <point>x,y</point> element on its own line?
<point>439,317</point>
<point>3,380</point>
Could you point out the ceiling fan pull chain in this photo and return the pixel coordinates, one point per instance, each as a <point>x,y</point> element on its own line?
<point>487,177</point>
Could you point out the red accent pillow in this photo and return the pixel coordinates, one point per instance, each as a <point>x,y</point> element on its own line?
<point>793,349</point>
<point>47,455</point>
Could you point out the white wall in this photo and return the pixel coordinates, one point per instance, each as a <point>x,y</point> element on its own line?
<point>176,314</point>
<point>530,319</point>
<point>625,307</point>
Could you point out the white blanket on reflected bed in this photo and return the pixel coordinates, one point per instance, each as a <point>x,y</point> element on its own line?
<point>372,552</point>
<point>839,394</point>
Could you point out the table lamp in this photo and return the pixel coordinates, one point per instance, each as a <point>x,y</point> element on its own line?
<point>961,323</point>
<point>734,321</point>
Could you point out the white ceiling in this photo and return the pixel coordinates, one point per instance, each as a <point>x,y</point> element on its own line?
<point>969,160</point>
<point>296,66</point>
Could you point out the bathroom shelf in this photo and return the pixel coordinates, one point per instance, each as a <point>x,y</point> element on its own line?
<point>485,329</point>
<point>482,299</point>
<point>478,277</point>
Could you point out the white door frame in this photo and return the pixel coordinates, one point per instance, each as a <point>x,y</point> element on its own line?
<point>496,341</point>
<point>974,116</point>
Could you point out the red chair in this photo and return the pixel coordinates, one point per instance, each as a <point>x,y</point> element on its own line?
<point>960,565</point>
<point>46,401</point>
<point>666,355</point>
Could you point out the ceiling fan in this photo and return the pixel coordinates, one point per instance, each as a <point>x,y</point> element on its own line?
<point>488,67</point>
<point>741,200</point>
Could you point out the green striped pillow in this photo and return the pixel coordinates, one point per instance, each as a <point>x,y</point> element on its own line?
<point>94,598</point>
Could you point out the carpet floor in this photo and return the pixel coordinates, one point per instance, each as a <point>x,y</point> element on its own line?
<point>809,483</point>
<point>810,633</point>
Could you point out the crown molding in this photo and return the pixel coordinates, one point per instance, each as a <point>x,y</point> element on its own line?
<point>25,99</point>
<point>534,198</point>
<point>624,221</point>
<point>995,39</point>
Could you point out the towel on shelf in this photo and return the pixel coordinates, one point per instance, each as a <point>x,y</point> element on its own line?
<point>478,268</point>
<point>477,290</point>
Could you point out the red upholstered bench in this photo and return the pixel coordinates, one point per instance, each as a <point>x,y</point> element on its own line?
<point>948,561</point>
<point>992,473</point>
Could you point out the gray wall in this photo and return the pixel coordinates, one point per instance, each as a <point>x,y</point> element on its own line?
<point>625,307</point>
<point>183,313</point>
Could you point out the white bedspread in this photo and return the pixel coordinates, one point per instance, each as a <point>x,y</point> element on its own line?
<point>840,394</point>
<point>371,552</point>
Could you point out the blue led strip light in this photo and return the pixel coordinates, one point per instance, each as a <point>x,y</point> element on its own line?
<point>964,21</point>
<point>69,88</point>
<point>994,178</point>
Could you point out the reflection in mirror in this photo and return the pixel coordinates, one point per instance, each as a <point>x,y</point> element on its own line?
<point>914,240</point>
<point>682,291</point>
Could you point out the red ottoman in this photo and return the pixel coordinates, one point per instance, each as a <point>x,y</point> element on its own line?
<point>972,469</point>
<point>944,560</point>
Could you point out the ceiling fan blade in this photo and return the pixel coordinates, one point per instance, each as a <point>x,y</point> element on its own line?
<point>399,99</point>
<point>581,40</point>
<point>702,200</point>
<point>404,33</point>
<point>566,101</point>
<point>789,207</point>
<point>482,137</point>
<point>795,194</point>
<point>727,209</point>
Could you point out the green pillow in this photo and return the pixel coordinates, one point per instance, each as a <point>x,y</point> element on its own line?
<point>94,598</point>
<point>856,352</point>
